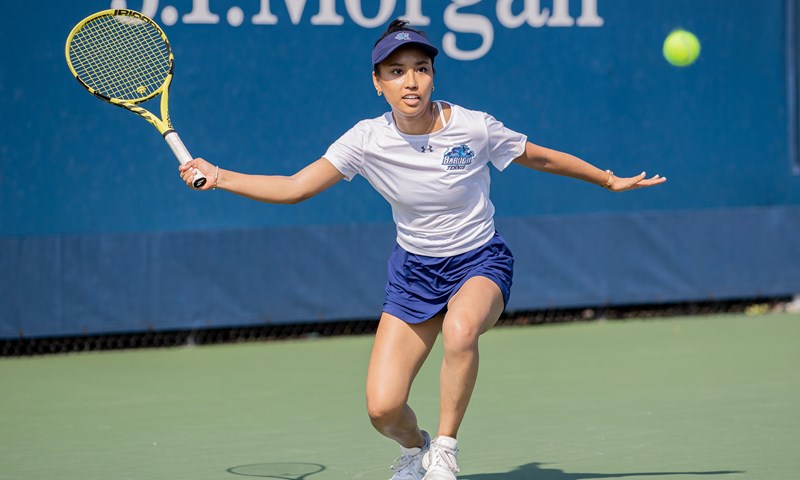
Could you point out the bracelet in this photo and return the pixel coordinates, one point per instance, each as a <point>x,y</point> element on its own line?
<point>610,180</point>
<point>216,179</point>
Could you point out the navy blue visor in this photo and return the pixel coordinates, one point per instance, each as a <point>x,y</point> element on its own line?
<point>393,41</point>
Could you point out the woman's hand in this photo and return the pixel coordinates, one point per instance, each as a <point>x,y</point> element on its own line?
<point>188,173</point>
<point>621,184</point>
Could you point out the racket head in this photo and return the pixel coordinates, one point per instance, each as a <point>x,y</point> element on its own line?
<point>120,55</point>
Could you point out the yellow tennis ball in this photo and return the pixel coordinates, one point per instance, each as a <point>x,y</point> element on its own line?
<point>681,48</point>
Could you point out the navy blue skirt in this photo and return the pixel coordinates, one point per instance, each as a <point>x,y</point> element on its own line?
<point>419,287</point>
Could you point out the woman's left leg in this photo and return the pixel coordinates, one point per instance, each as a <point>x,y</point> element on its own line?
<point>473,310</point>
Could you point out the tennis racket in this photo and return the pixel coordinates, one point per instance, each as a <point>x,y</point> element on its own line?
<point>124,58</point>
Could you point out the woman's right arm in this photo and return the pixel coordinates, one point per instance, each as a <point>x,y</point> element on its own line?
<point>303,185</point>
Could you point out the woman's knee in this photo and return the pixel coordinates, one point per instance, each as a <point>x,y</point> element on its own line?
<point>384,412</point>
<point>460,335</point>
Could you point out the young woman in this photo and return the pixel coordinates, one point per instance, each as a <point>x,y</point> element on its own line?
<point>450,271</point>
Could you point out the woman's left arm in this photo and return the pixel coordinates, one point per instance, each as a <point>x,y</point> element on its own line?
<point>560,163</point>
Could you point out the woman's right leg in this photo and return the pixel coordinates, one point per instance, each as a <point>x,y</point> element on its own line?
<point>398,353</point>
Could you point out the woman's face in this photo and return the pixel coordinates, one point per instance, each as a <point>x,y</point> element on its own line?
<point>406,80</point>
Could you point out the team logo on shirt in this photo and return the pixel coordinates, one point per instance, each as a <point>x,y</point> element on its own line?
<point>458,157</point>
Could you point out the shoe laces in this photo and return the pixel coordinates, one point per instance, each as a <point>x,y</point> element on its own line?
<point>404,461</point>
<point>442,457</point>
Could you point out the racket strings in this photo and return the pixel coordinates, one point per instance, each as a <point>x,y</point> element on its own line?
<point>120,57</point>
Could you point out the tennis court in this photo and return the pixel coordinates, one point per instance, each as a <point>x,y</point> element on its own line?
<point>713,397</point>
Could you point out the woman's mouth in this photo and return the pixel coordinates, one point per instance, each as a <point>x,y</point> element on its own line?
<point>411,100</point>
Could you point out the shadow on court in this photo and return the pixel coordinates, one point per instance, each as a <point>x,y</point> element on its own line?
<point>287,471</point>
<point>534,471</point>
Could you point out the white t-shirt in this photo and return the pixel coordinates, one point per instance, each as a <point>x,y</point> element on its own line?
<point>437,184</point>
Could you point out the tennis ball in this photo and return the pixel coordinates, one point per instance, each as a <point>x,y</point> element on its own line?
<point>681,48</point>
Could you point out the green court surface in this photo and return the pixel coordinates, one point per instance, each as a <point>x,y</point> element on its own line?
<point>678,398</point>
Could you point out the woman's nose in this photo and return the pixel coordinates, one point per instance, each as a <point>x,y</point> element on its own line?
<point>411,79</point>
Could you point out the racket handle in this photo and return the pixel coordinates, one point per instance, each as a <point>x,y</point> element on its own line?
<point>183,155</point>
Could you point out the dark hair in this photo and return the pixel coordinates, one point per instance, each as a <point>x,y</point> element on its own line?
<point>397,25</point>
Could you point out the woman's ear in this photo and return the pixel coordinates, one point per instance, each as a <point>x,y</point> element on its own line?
<point>376,83</point>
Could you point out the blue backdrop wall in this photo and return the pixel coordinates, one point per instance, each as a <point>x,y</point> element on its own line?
<point>99,235</point>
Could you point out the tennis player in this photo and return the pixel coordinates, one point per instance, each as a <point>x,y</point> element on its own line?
<point>450,270</point>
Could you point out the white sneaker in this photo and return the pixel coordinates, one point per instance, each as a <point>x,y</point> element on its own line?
<point>408,466</point>
<point>440,461</point>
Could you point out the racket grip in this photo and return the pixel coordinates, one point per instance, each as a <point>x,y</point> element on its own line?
<point>183,155</point>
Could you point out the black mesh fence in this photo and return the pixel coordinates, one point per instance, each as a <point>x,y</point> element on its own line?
<point>159,339</point>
